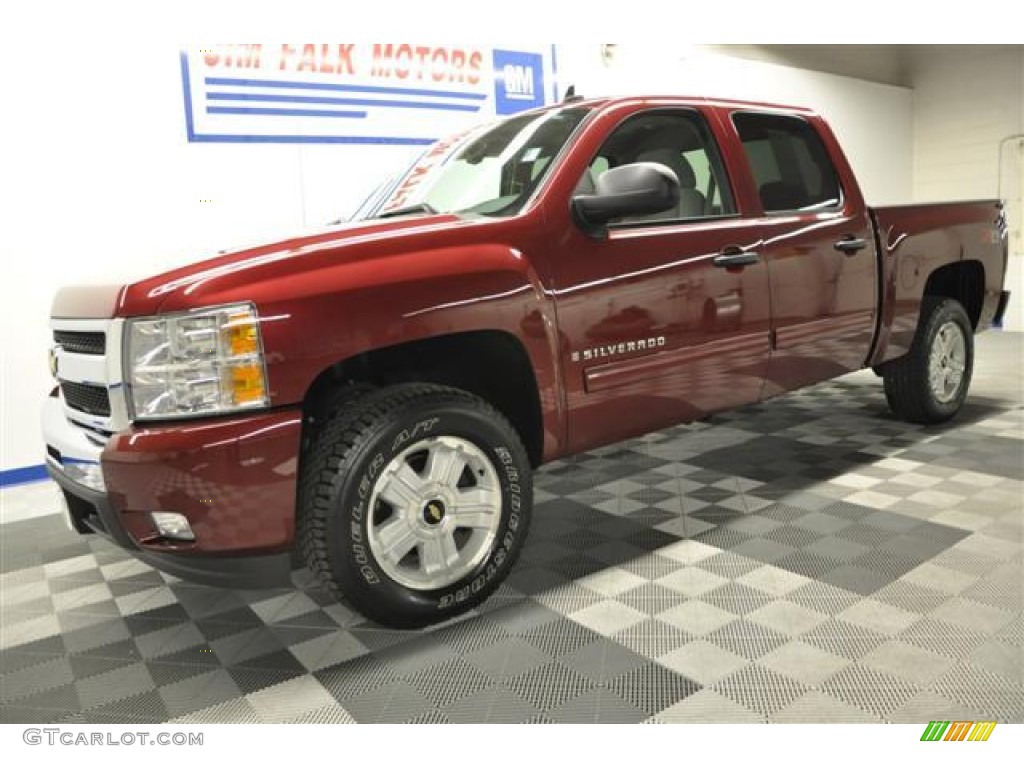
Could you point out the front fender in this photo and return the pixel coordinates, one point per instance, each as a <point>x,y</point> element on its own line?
<point>340,311</point>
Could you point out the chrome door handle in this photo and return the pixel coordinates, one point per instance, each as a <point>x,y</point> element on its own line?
<point>741,259</point>
<point>849,245</point>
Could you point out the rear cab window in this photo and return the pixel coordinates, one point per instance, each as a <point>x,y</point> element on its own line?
<point>789,162</point>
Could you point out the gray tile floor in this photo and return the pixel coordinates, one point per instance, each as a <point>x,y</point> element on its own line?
<point>810,559</point>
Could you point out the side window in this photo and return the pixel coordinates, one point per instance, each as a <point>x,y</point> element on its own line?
<point>791,167</point>
<point>700,161</point>
<point>679,140</point>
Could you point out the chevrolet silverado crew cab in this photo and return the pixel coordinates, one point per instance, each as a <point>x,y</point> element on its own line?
<point>371,400</point>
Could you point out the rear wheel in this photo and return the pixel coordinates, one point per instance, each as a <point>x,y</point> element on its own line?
<point>416,503</point>
<point>929,384</point>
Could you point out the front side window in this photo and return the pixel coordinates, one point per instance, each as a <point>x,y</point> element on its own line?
<point>682,142</point>
<point>490,171</point>
<point>791,167</point>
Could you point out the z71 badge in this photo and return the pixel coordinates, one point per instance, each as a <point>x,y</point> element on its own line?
<point>622,348</point>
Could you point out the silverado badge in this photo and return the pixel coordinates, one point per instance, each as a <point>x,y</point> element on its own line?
<point>622,348</point>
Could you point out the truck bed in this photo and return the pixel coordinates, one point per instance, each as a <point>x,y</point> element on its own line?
<point>921,240</point>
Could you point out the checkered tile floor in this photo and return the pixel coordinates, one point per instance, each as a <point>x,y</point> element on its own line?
<point>810,559</point>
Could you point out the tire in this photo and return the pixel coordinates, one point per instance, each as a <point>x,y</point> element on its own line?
<point>890,397</point>
<point>929,384</point>
<point>386,482</point>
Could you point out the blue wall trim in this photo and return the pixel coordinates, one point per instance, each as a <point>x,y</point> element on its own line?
<point>22,475</point>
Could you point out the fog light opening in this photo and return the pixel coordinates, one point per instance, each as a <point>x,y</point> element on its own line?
<point>172,525</point>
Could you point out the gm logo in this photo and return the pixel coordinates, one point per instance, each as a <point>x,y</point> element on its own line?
<point>518,81</point>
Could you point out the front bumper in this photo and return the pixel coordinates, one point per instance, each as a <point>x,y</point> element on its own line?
<point>234,479</point>
<point>90,511</point>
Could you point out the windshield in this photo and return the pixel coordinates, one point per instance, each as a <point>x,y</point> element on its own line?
<point>490,171</point>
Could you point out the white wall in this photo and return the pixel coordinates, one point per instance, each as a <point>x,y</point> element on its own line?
<point>965,102</point>
<point>98,183</point>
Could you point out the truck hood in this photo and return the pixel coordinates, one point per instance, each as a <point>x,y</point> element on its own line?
<point>212,280</point>
<point>87,301</point>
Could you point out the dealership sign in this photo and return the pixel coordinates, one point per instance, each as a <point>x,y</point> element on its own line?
<point>355,93</point>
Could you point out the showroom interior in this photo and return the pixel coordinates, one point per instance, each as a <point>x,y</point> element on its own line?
<point>807,559</point>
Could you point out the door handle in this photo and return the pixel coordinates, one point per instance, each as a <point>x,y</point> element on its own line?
<point>738,259</point>
<point>849,245</point>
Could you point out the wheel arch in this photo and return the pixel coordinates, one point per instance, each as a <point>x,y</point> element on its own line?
<point>492,364</point>
<point>963,281</point>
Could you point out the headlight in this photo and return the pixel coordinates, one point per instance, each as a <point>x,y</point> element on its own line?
<point>204,362</point>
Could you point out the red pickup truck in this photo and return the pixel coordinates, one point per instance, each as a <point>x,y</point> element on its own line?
<point>371,400</point>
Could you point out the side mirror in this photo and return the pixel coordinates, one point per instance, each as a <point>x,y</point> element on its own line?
<point>637,189</point>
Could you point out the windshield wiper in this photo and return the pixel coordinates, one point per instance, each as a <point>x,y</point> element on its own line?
<point>425,208</point>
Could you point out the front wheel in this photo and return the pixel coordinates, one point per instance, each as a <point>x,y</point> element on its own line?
<point>415,503</point>
<point>929,384</point>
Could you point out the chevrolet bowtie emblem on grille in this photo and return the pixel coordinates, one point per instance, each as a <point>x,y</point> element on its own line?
<point>54,364</point>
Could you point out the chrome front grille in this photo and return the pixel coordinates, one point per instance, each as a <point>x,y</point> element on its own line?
<point>82,342</point>
<point>87,398</point>
<point>87,359</point>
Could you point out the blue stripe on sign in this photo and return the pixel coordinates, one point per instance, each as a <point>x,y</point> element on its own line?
<point>220,96</point>
<point>228,138</point>
<point>282,112</point>
<point>23,475</point>
<point>348,88</point>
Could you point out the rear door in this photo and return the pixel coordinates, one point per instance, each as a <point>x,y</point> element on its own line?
<point>819,248</point>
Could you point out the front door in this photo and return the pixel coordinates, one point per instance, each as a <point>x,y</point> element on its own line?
<point>665,319</point>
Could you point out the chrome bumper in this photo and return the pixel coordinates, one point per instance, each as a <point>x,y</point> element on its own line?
<point>70,449</point>
<point>75,439</point>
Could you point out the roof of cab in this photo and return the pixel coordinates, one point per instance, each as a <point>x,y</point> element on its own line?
<point>654,99</point>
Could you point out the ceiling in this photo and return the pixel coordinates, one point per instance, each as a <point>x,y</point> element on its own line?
<point>892,64</point>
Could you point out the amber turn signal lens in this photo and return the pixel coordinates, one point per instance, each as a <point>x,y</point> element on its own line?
<point>242,335</point>
<point>247,383</point>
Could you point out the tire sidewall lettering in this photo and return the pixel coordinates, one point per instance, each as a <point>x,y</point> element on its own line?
<point>492,566</point>
<point>420,430</point>
<point>357,501</point>
<point>361,556</point>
